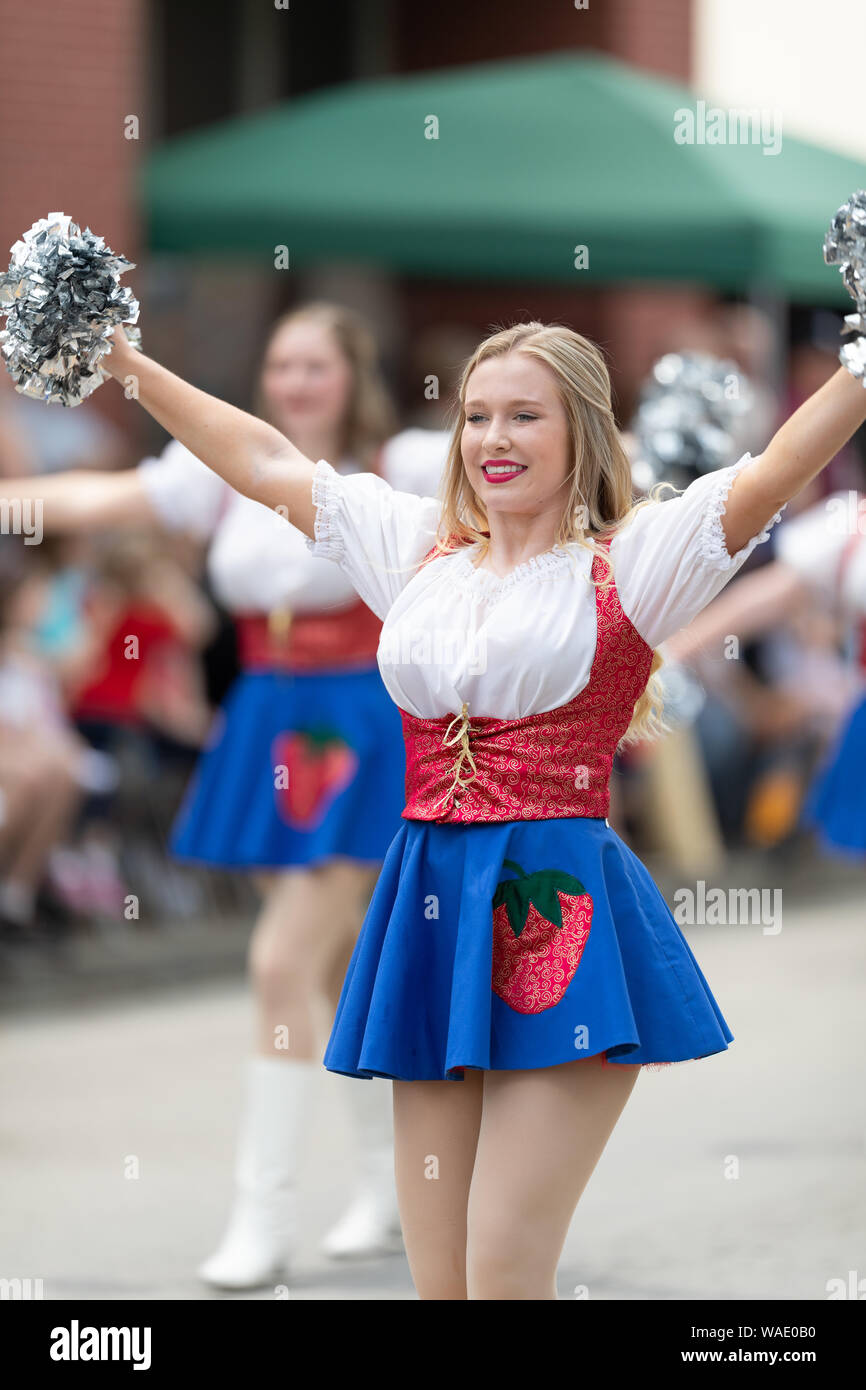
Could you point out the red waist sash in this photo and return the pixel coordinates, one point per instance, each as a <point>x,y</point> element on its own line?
<point>345,639</point>
<point>461,768</point>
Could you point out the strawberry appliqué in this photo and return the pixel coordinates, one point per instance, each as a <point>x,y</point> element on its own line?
<point>541,924</point>
<point>319,765</point>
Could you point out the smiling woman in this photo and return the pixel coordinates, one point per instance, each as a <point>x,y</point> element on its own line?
<point>516,432</point>
<point>514,943</point>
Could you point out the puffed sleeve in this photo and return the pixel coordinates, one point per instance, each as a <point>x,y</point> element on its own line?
<point>185,494</point>
<point>670,560</point>
<point>414,460</point>
<point>377,535</point>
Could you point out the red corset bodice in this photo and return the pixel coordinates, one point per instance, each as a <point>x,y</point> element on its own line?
<point>467,768</point>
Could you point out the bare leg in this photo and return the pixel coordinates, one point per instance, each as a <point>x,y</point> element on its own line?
<point>306,916</point>
<point>264,881</point>
<point>55,797</point>
<point>354,884</point>
<point>325,1005</point>
<point>288,955</point>
<point>542,1134</point>
<point>436,1126</point>
<point>41,795</point>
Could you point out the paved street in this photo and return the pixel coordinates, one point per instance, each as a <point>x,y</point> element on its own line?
<point>159,1077</point>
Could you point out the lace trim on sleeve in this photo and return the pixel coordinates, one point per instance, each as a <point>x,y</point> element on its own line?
<point>713,550</point>
<point>327,494</point>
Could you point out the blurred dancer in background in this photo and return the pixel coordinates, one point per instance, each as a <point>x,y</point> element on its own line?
<point>821,562</point>
<point>303,781</point>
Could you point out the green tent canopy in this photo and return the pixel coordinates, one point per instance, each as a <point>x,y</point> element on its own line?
<point>533,159</point>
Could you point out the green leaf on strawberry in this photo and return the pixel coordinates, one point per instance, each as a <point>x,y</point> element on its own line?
<point>540,888</point>
<point>320,735</point>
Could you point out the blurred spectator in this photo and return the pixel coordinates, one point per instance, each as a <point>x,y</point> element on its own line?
<point>140,698</point>
<point>763,727</point>
<point>155,620</point>
<point>44,765</point>
<point>111,632</point>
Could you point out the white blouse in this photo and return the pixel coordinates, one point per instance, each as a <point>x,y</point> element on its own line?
<point>813,544</point>
<point>256,560</point>
<point>525,643</point>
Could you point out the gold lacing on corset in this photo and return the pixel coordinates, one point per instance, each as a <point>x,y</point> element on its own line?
<point>462,737</point>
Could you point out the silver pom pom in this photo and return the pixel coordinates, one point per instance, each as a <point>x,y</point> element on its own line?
<point>845,246</point>
<point>684,423</point>
<point>853,356</point>
<point>62,297</point>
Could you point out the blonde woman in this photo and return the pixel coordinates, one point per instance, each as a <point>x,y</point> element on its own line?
<point>513,942</point>
<point>302,781</point>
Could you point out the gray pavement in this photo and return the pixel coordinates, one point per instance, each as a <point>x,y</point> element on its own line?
<point>158,1075</point>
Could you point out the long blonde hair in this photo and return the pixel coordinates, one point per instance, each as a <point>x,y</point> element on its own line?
<point>370,417</point>
<point>600,497</point>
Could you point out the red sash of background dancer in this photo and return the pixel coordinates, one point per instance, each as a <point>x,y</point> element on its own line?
<point>326,640</point>
<point>858,625</point>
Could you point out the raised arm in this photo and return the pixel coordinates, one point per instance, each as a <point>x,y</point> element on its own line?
<point>252,456</point>
<point>797,453</point>
<point>82,501</point>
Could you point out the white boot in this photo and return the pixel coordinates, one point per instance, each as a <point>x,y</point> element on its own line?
<point>261,1230</point>
<point>371,1223</point>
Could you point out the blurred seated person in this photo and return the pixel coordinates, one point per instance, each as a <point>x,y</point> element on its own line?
<point>45,766</point>
<point>140,698</point>
<point>154,619</point>
<point>771,709</point>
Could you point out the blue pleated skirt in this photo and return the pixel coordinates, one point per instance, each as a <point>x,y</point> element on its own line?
<point>517,945</point>
<point>835,805</point>
<point>299,769</point>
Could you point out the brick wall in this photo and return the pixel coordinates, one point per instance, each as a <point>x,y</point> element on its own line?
<point>634,325</point>
<point>654,34</point>
<point>71,73</point>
